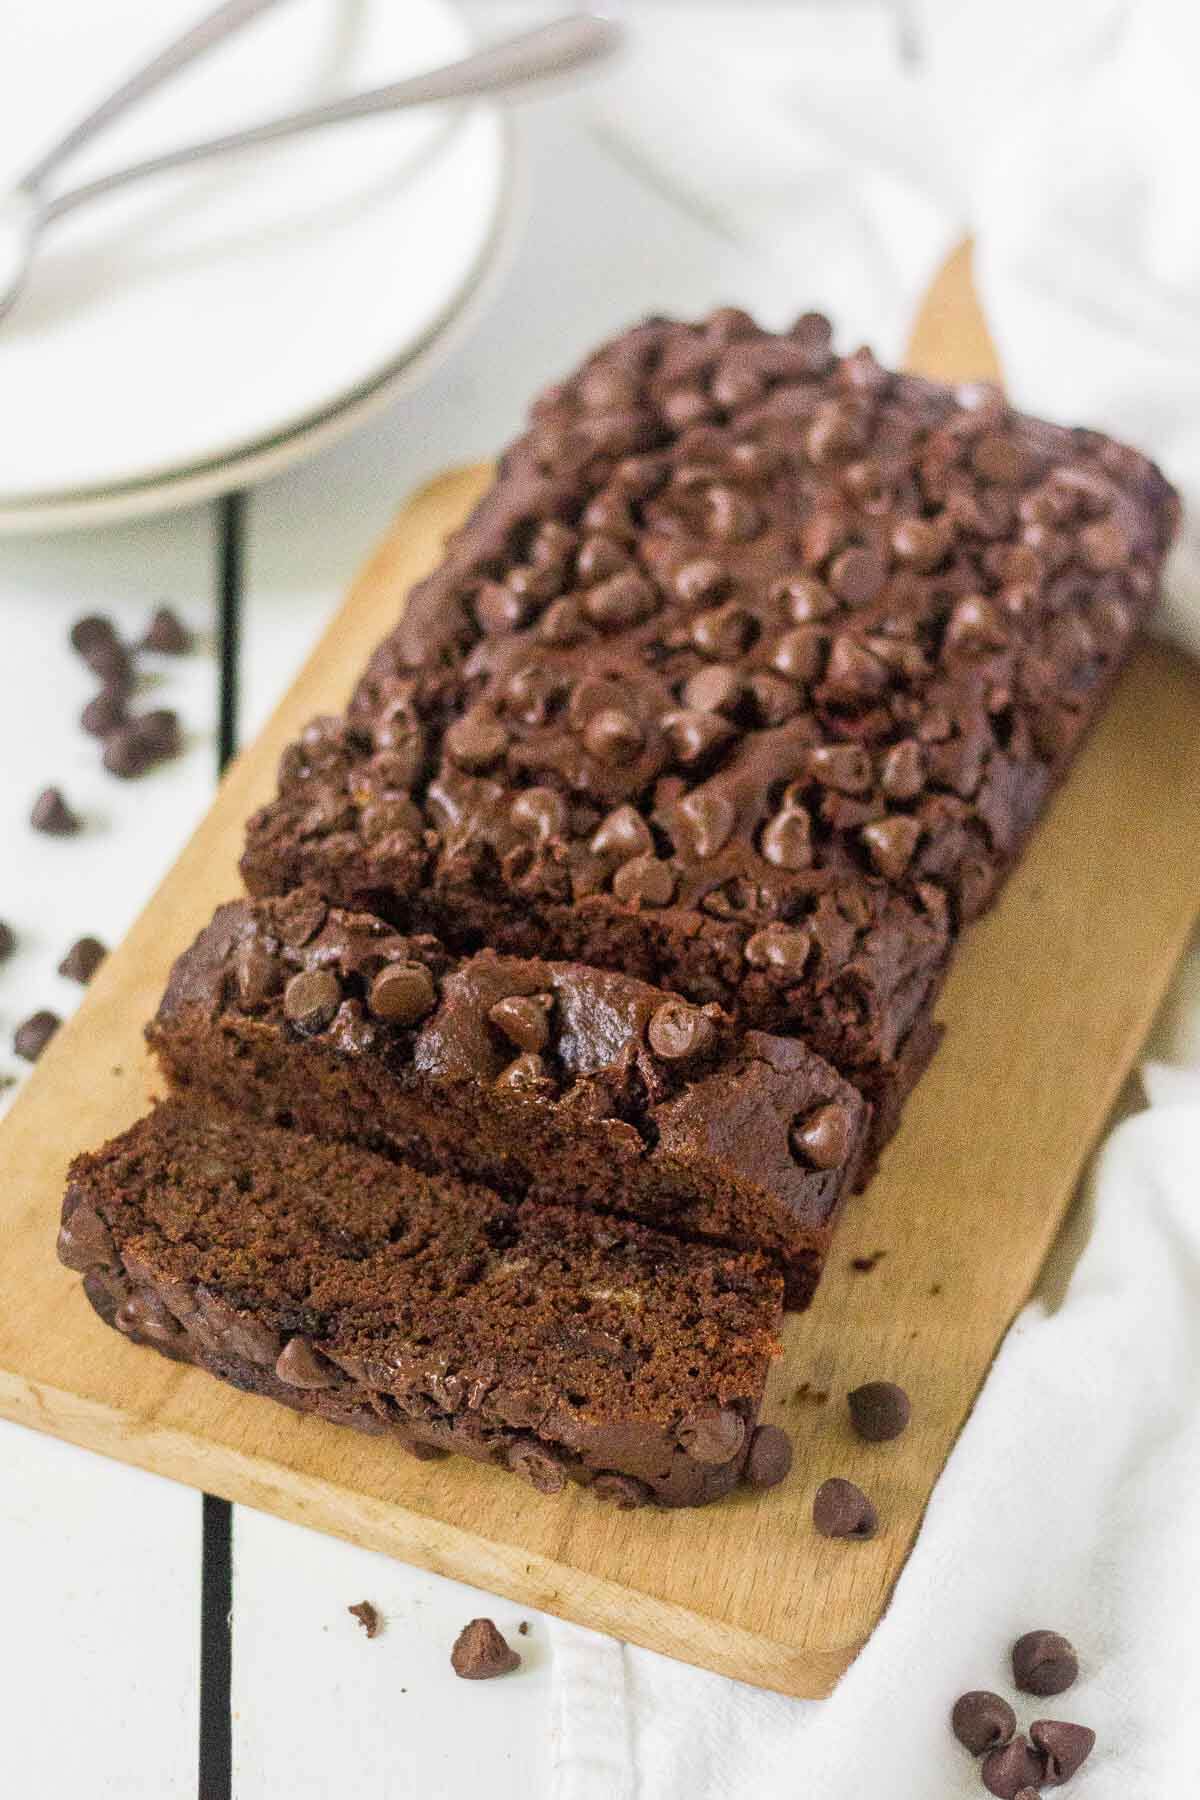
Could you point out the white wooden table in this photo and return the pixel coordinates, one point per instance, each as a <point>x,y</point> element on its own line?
<point>122,1676</point>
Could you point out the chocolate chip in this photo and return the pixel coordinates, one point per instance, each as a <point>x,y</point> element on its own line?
<point>52,815</point>
<point>299,1365</point>
<point>879,1411</point>
<point>624,833</point>
<point>352,1032</point>
<point>853,673</point>
<point>127,751</point>
<point>1103,546</point>
<point>539,812</point>
<point>841,1510</point>
<point>1064,1747</point>
<point>8,941</point>
<point>1044,1663</point>
<point>599,557</point>
<point>257,974</point>
<point>799,653</point>
<point>476,741</point>
<point>91,630</point>
<point>144,1317</point>
<point>700,579</point>
<point>621,1491</point>
<point>622,600</point>
<point>844,767</point>
<point>982,1721</point>
<point>806,599</point>
<point>644,881</point>
<point>109,659</point>
<point>857,575</point>
<point>498,609</point>
<point>480,1652</point>
<point>299,917</point>
<point>835,432</point>
<point>526,1073</point>
<point>902,775</point>
<point>782,947</point>
<point>31,1037</point>
<point>974,628</point>
<point>770,1457</point>
<point>561,624</point>
<point>786,841</point>
<point>732,516</point>
<point>921,543</point>
<point>524,1019</point>
<point>695,735</point>
<point>713,1437</point>
<point>723,633</point>
<point>403,993</point>
<point>714,689</point>
<point>311,999</point>
<point>166,634</point>
<point>612,736</point>
<point>1009,1769</point>
<point>774,699</point>
<point>85,1242</point>
<point>678,1032</point>
<point>822,1137</point>
<point>104,712</point>
<point>706,819</point>
<point>367,1617</point>
<point>82,960</point>
<point>537,1464</point>
<point>891,843</point>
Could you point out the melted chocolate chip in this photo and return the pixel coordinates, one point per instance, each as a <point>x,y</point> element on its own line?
<point>785,948</point>
<point>713,1437</point>
<point>311,999</point>
<point>644,881</point>
<point>678,1032</point>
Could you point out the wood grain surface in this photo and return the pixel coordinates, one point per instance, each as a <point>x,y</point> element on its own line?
<point>1046,1008</point>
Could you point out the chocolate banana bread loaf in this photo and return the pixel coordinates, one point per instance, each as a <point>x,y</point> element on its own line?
<point>549,1081</point>
<point>552,1342</point>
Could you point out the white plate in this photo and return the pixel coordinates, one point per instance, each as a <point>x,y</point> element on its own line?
<point>210,316</point>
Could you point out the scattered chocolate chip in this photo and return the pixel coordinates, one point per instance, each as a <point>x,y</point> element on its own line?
<point>822,1137</point>
<point>524,1019</point>
<point>1005,1771</point>
<point>841,1510</point>
<point>367,1617</point>
<point>257,974</point>
<point>83,959</point>
<point>1064,1747</point>
<point>311,999</point>
<point>91,630</point>
<point>166,634</point>
<point>879,1411</point>
<point>299,1365</point>
<point>104,712</point>
<point>678,1032</point>
<point>403,993</point>
<point>480,1652</point>
<point>1044,1663</point>
<point>127,751</point>
<point>52,815</point>
<point>713,1437</point>
<point>160,733</point>
<point>31,1037</point>
<point>526,1073</point>
<point>8,941</point>
<point>982,1721</point>
<point>770,1457</point>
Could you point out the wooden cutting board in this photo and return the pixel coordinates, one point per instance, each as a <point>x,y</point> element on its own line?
<point>1045,1010</point>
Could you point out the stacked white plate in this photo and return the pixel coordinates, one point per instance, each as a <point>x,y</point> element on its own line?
<point>208,328</point>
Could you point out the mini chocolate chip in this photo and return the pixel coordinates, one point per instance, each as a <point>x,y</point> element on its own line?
<point>1010,1768</point>
<point>782,947</point>
<point>644,881</point>
<point>770,1457</point>
<point>678,1032</point>
<point>612,736</point>
<point>841,1510</point>
<point>879,1411</point>
<point>706,818</point>
<point>891,843</point>
<point>8,941</point>
<point>982,1721</point>
<point>786,841</point>
<point>714,1436</point>
<point>299,1365</point>
<point>52,815</point>
<point>1044,1663</point>
<point>31,1037</point>
<point>621,1491</point>
<point>857,575</point>
<point>844,767</point>
<point>311,999</point>
<point>537,1464</point>
<point>695,735</point>
<point>974,627</point>
<point>624,833</point>
<point>1064,1747</point>
<point>498,609</point>
<point>104,712</point>
<point>367,1617</point>
<point>526,1073</point>
<point>166,634</point>
<point>822,1137</point>
<point>999,458</point>
<point>82,960</point>
<point>524,1019</point>
<point>476,741</point>
<point>480,1652</point>
<point>403,993</point>
<point>902,775</point>
<point>599,557</point>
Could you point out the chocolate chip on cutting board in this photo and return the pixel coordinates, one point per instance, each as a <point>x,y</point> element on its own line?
<point>879,1411</point>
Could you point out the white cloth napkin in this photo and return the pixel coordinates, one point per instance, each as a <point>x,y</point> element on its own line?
<point>1065,138</point>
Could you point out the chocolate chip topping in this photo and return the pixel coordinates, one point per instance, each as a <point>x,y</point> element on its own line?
<point>1064,1747</point>
<point>823,1137</point>
<point>879,1411</point>
<point>52,815</point>
<point>1010,1768</point>
<point>982,1721</point>
<point>715,1436</point>
<point>367,1616</point>
<point>1044,1663</point>
<point>311,999</point>
<point>480,1652</point>
<point>31,1037</point>
<point>166,634</point>
<point>841,1510</point>
<point>679,1033</point>
<point>299,1365</point>
<point>82,960</point>
<point>403,993</point>
<point>524,1020</point>
<point>770,1457</point>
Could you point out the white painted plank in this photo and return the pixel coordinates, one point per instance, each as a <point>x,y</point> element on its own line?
<point>318,1709</point>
